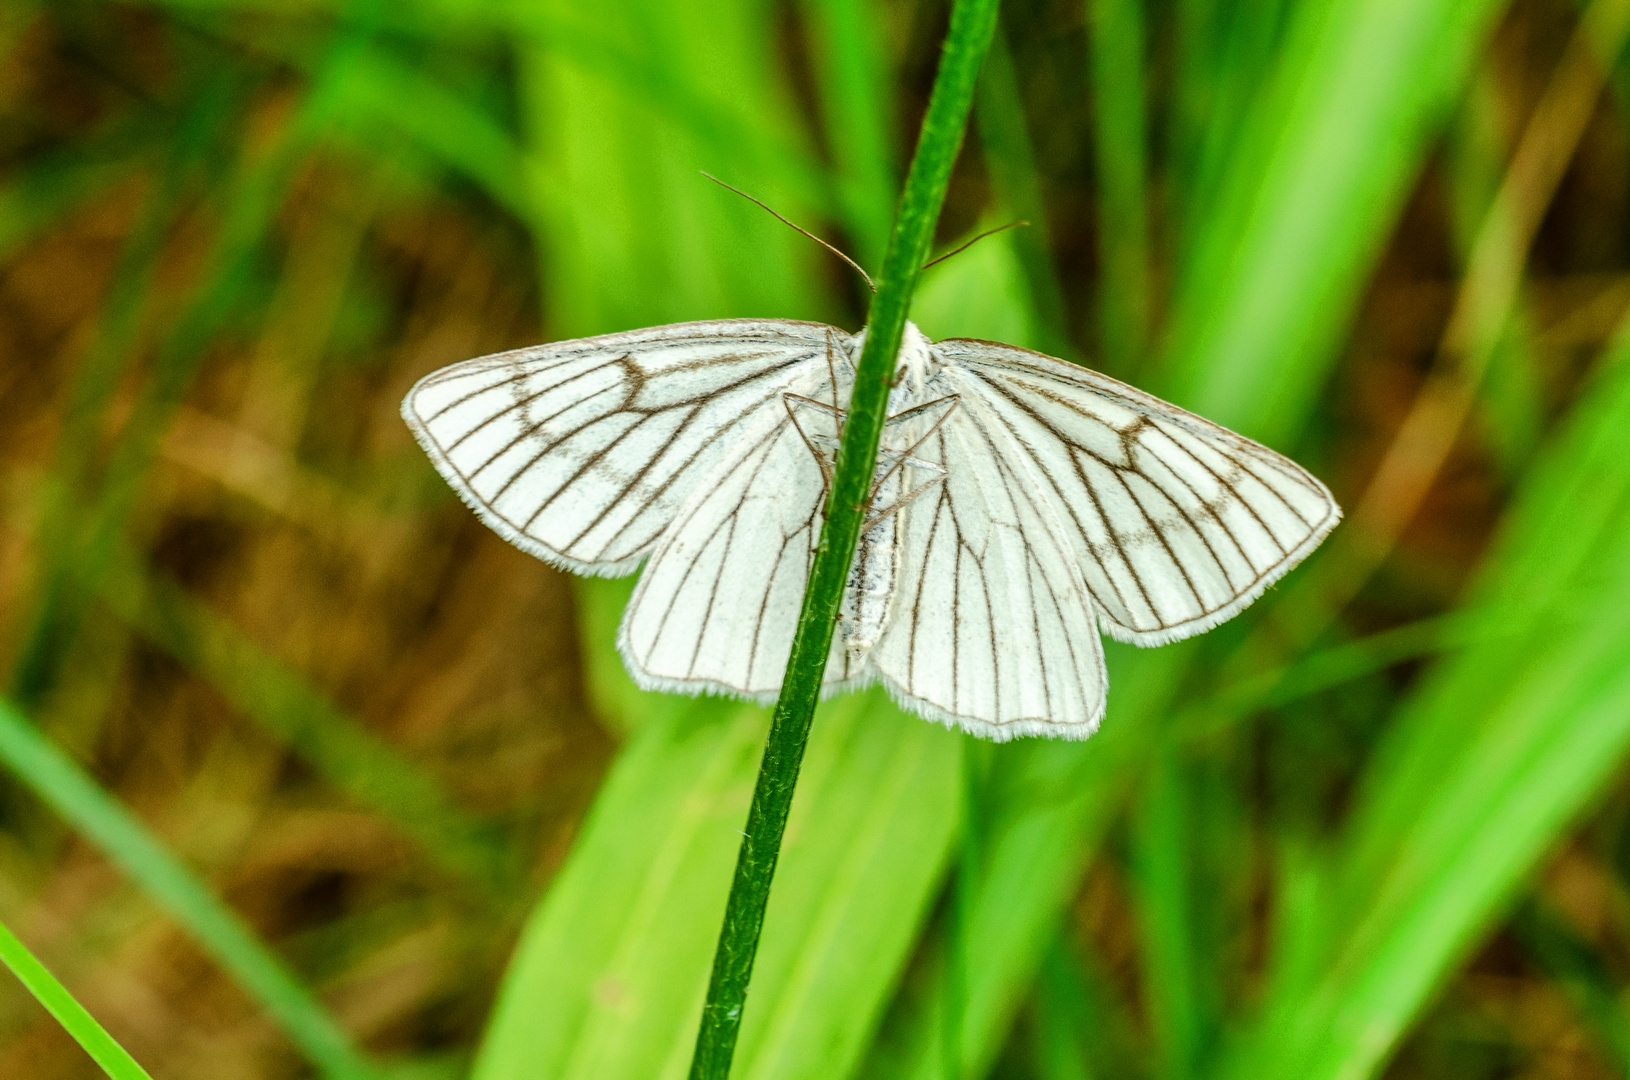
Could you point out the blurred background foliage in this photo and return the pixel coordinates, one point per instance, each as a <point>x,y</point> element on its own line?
<point>306,773</point>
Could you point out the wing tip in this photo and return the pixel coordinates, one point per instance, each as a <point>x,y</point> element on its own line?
<point>494,521</point>
<point>1153,639</point>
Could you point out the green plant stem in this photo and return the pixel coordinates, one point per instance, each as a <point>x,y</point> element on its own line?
<point>966,42</point>
<point>103,1049</point>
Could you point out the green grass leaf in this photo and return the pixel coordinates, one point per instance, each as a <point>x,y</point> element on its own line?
<point>1004,135</point>
<point>1121,130</point>
<point>1311,187</point>
<point>1495,754</point>
<point>127,843</point>
<point>608,978</point>
<point>102,1047</point>
<point>856,105</point>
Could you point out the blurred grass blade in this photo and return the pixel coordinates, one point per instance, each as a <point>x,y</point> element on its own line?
<point>1082,1028</point>
<point>1049,807</point>
<point>617,702</point>
<point>59,527</point>
<point>609,974</point>
<point>1493,756</point>
<point>1328,667</point>
<point>1223,52</point>
<point>636,47</point>
<point>628,231</point>
<point>286,707</point>
<point>1589,982</point>
<point>856,107</point>
<point>451,129</point>
<point>1162,826</point>
<point>1121,139</point>
<point>44,189</point>
<point>250,201</point>
<point>1005,137</point>
<point>594,988</point>
<point>126,842</point>
<point>1475,160</point>
<point>1309,191</point>
<point>73,1017</point>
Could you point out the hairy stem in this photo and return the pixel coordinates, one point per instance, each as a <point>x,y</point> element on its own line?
<point>972,22</point>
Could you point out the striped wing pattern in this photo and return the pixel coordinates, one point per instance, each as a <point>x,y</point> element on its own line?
<point>991,628</point>
<point>718,603</point>
<point>581,452</point>
<point>1176,523</point>
<point>1061,502</point>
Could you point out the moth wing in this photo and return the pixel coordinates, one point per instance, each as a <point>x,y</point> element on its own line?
<point>1177,523</point>
<point>718,603</point>
<point>581,452</point>
<point>991,628</point>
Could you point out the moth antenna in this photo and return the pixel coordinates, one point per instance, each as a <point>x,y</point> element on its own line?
<point>975,240</point>
<point>800,228</point>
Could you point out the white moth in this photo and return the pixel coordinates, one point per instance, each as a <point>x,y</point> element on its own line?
<point>1020,504</point>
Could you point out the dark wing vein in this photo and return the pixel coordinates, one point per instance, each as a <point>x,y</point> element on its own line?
<point>995,631</point>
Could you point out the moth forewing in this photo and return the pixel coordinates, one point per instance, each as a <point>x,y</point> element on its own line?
<point>581,452</point>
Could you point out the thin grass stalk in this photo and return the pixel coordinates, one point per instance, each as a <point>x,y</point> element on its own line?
<point>128,844</point>
<point>74,1018</point>
<point>966,42</point>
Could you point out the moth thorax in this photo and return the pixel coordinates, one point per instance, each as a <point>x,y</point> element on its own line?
<point>914,363</point>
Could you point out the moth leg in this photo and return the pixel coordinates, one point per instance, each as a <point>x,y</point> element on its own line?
<point>832,375</point>
<point>951,401</point>
<point>823,458</point>
<point>902,502</point>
